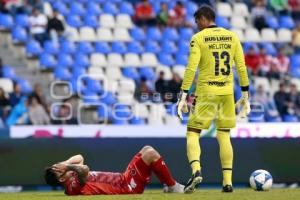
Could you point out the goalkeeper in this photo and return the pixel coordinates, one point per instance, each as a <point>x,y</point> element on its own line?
<point>213,51</point>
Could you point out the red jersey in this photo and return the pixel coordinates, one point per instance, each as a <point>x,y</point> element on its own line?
<point>143,10</point>
<point>132,181</point>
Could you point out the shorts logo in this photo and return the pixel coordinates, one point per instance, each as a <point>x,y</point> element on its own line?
<point>133,172</point>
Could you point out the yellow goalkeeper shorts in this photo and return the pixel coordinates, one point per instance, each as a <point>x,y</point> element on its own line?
<point>207,108</point>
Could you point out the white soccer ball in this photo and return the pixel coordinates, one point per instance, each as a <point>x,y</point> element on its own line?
<point>261,180</point>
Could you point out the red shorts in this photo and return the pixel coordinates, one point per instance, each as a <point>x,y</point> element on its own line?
<point>137,174</point>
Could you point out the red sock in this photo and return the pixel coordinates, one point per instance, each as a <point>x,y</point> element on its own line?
<point>162,172</point>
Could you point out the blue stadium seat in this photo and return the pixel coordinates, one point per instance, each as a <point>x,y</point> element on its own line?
<point>222,22</point>
<point>77,71</point>
<point>76,85</point>
<point>170,34</point>
<point>191,8</point>
<point>168,47</point>
<point>135,47</point>
<point>25,86</point>
<point>119,121</point>
<point>289,118</point>
<point>62,74</point>
<point>22,20</point>
<point>184,47</point>
<point>137,34</point>
<point>295,65</point>
<point>122,111</point>
<point>51,47</point>
<point>6,21</point>
<point>153,33</point>
<point>130,72</point>
<point>181,59</point>
<point>91,21</point>
<point>108,98</point>
<point>9,72</point>
<point>147,72</point>
<point>47,61</point>
<point>93,8</point>
<point>60,7</point>
<point>171,109</point>
<point>104,112</point>
<point>166,59</point>
<point>118,47</point>
<point>185,34</point>
<point>19,35</point>
<point>65,60</point>
<point>137,121</point>
<point>270,49</point>
<point>68,47</point>
<point>152,47</point>
<point>248,45</point>
<point>74,21</point>
<point>272,22</point>
<point>110,8</point>
<point>33,48</point>
<point>286,22</point>
<point>90,97</point>
<point>81,60</point>
<point>77,9</point>
<point>94,86</point>
<point>85,47</point>
<point>102,47</point>
<point>126,8</point>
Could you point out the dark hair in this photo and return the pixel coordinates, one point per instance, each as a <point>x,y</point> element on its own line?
<point>50,177</point>
<point>205,11</point>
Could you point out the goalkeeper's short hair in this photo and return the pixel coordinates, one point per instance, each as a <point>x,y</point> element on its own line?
<point>205,11</point>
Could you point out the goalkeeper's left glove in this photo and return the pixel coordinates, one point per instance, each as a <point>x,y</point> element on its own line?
<point>182,104</point>
<point>244,103</point>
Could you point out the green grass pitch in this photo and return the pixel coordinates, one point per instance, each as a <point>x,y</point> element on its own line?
<point>202,194</point>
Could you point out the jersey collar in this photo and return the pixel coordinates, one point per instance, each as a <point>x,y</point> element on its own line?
<point>212,26</point>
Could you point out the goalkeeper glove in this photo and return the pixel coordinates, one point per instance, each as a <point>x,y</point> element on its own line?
<point>182,104</point>
<point>244,103</point>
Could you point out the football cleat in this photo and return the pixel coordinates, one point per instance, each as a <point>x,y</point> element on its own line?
<point>177,188</point>
<point>227,188</point>
<point>193,182</point>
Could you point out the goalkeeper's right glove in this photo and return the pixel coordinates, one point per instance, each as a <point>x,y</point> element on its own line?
<point>244,103</point>
<point>182,104</point>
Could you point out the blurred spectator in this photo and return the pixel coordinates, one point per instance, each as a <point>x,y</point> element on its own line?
<point>281,7</point>
<point>38,24</point>
<point>36,112</point>
<point>283,62</point>
<point>163,15</point>
<point>65,114</point>
<point>295,9</point>
<point>38,94</point>
<point>296,39</point>
<point>259,15</point>
<point>143,93</point>
<point>161,85</point>
<point>265,62</point>
<point>15,6</point>
<point>144,14</point>
<point>177,15</point>
<point>261,96</point>
<point>294,99</point>
<point>37,4</point>
<point>252,61</point>
<point>174,87</point>
<point>15,97</point>
<point>55,27</point>
<point>281,99</point>
<point>1,68</point>
<point>4,104</point>
<point>3,7</point>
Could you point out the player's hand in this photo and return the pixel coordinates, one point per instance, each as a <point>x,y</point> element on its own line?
<point>244,104</point>
<point>60,167</point>
<point>182,105</point>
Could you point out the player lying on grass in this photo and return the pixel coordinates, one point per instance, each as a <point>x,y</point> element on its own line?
<point>77,179</point>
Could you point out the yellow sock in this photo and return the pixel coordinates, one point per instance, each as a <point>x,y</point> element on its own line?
<point>193,150</point>
<point>226,155</point>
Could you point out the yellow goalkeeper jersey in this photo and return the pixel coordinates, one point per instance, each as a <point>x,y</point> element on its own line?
<point>213,51</point>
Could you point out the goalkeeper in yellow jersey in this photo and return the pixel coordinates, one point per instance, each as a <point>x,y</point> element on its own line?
<point>213,51</point>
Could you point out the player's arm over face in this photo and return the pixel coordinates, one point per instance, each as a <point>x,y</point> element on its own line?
<point>241,66</point>
<point>77,159</point>
<point>192,65</point>
<point>62,170</point>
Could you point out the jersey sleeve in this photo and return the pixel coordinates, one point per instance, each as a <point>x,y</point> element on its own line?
<point>241,68</point>
<point>192,65</point>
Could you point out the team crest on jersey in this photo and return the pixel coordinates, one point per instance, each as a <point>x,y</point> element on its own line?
<point>133,172</point>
